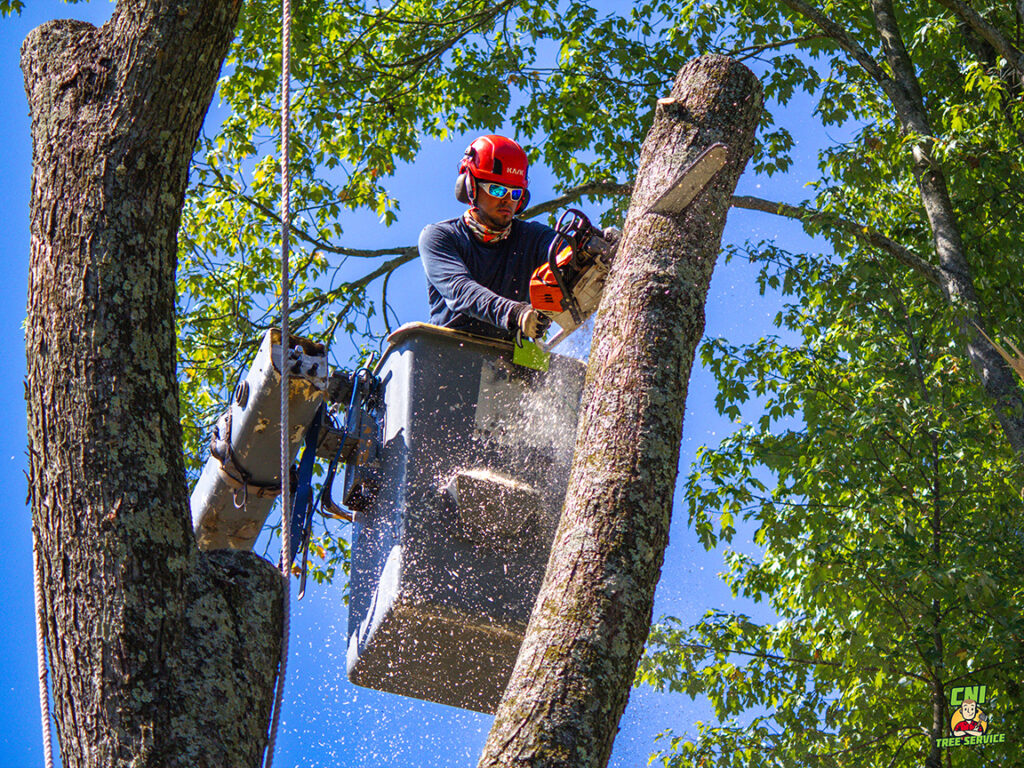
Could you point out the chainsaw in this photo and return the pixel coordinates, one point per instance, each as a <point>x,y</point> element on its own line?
<point>567,289</point>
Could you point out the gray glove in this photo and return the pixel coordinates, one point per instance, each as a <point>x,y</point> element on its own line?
<point>529,321</point>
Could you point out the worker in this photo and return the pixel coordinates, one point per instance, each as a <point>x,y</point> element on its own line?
<point>479,265</point>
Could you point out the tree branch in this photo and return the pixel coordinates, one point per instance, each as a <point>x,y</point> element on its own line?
<point>312,304</point>
<point>989,33</point>
<point>974,673</point>
<point>859,231</point>
<point>896,754</point>
<point>903,90</point>
<point>869,742</point>
<point>574,194</point>
<point>912,109</point>
<point>848,44</point>
<point>957,283</point>
<point>476,19</point>
<point>750,51</point>
<point>994,374</point>
<point>952,281</point>
<point>606,188</point>
<point>792,660</point>
<point>316,242</point>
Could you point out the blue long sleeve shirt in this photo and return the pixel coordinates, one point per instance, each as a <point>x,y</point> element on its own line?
<point>474,286</point>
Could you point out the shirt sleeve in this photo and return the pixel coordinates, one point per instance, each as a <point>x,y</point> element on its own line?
<point>453,280</point>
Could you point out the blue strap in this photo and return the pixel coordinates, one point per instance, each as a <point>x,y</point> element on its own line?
<point>302,505</point>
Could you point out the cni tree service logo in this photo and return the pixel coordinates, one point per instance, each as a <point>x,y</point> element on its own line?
<point>969,723</point>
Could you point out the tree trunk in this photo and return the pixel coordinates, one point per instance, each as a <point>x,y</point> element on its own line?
<point>572,680</point>
<point>160,656</point>
<point>955,274</point>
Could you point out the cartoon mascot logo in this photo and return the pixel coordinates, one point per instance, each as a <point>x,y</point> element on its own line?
<point>968,720</point>
<point>969,725</point>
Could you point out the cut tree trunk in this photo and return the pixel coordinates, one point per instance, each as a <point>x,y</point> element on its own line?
<point>572,680</point>
<point>159,656</point>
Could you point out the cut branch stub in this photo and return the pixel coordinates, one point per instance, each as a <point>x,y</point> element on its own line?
<point>572,679</point>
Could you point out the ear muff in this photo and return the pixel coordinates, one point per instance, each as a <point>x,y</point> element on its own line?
<point>465,184</point>
<point>460,189</point>
<point>465,188</point>
<point>523,201</point>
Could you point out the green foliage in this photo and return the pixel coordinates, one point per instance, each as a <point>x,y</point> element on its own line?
<point>370,85</point>
<point>333,555</point>
<point>15,7</point>
<point>887,541</point>
<point>881,499</point>
<point>879,494</point>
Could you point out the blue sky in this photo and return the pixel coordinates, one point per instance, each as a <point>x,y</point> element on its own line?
<point>326,720</point>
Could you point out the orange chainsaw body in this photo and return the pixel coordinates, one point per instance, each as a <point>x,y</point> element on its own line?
<point>545,295</point>
<point>567,288</point>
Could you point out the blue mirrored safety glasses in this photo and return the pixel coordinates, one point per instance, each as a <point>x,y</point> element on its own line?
<point>500,190</point>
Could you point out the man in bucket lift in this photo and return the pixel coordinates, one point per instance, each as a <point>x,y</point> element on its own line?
<point>479,265</point>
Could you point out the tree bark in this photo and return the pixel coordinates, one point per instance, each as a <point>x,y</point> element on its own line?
<point>572,680</point>
<point>988,32</point>
<point>160,656</point>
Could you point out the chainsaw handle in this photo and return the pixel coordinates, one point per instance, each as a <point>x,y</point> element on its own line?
<point>568,301</point>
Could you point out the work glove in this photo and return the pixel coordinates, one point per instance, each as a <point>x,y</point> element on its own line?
<point>529,321</point>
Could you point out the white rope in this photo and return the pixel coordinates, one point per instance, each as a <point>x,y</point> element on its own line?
<point>44,693</point>
<point>286,552</point>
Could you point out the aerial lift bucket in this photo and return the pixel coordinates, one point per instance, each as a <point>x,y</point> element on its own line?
<point>450,547</point>
<point>456,462</point>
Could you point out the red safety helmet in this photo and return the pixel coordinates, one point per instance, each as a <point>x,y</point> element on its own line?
<point>492,158</point>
